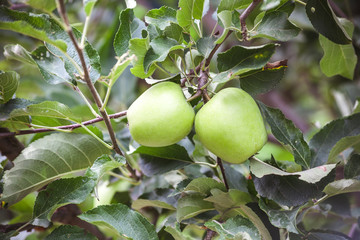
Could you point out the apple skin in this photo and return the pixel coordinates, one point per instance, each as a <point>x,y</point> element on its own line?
<point>230,125</point>
<point>160,116</point>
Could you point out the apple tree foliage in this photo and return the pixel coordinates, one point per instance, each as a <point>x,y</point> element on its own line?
<point>70,169</point>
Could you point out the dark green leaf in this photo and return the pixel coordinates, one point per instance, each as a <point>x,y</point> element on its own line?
<point>16,103</point>
<point>275,26</point>
<point>235,228</point>
<point>139,47</point>
<point>285,131</point>
<point>174,152</point>
<point>325,21</point>
<point>191,205</point>
<point>205,45</point>
<point>130,27</point>
<point>188,11</point>
<point>60,193</point>
<point>262,81</point>
<point>65,232</point>
<point>352,167</point>
<point>160,197</point>
<point>47,159</point>
<point>151,165</point>
<point>122,219</point>
<point>342,186</point>
<point>338,59</point>
<point>239,60</point>
<point>9,82</point>
<point>322,143</point>
<point>235,177</point>
<point>281,218</point>
<point>161,17</point>
<point>204,185</point>
<point>233,5</point>
<point>174,31</point>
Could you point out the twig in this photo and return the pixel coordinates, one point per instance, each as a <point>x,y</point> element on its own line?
<point>208,60</point>
<point>72,126</point>
<point>219,162</point>
<point>209,234</point>
<point>245,15</point>
<point>94,93</point>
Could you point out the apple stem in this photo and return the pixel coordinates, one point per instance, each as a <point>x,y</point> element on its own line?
<point>219,162</point>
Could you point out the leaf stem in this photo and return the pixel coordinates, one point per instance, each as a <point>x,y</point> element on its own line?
<point>130,180</point>
<point>86,26</point>
<point>95,94</point>
<point>52,128</point>
<point>96,137</point>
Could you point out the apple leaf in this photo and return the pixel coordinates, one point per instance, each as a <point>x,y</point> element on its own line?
<point>130,27</point>
<point>235,176</point>
<point>269,4</point>
<point>324,141</point>
<point>46,6</point>
<point>160,197</point>
<point>139,47</point>
<point>338,59</point>
<point>239,60</point>
<point>343,144</point>
<point>262,81</point>
<point>285,131</point>
<point>204,185</point>
<point>161,17</point>
<point>189,10</point>
<point>88,6</point>
<point>176,232</point>
<point>352,167</point>
<point>205,45</point>
<point>342,186</point>
<point>65,232</point>
<point>281,218</point>
<point>275,26</point>
<point>12,104</point>
<point>121,218</point>
<point>230,21</point>
<point>325,21</point>
<point>9,82</point>
<point>236,227</point>
<point>71,190</point>
<point>223,201</point>
<point>191,205</point>
<point>47,159</point>
<point>174,152</point>
<point>233,5</point>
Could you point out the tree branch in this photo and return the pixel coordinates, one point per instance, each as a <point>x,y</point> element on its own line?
<point>245,15</point>
<point>219,162</point>
<point>94,93</point>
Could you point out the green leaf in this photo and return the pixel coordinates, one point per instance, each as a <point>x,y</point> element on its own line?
<point>88,6</point>
<point>205,45</point>
<point>122,219</point>
<point>12,104</point>
<point>223,201</point>
<point>233,5</point>
<point>343,144</point>
<point>352,167</point>
<point>139,48</point>
<point>130,27</point>
<point>281,218</point>
<point>104,164</point>
<point>269,4</point>
<point>66,232</point>
<point>173,152</point>
<point>229,21</point>
<point>160,47</point>
<point>325,21</point>
<point>239,60</point>
<point>262,81</point>
<point>313,175</point>
<point>47,159</point>
<point>342,186</point>
<point>46,6</point>
<point>188,11</point>
<point>323,142</point>
<point>285,131</point>
<point>275,26</point>
<point>191,205</point>
<point>176,233</point>
<point>161,17</point>
<point>9,82</point>
<point>60,193</point>
<point>46,29</point>
<point>117,70</point>
<point>49,109</point>
<point>17,52</point>
<point>204,185</point>
<point>174,31</point>
<point>338,59</point>
<point>141,203</point>
<point>236,227</point>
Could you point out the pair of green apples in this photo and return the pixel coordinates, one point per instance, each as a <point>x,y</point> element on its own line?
<point>230,125</point>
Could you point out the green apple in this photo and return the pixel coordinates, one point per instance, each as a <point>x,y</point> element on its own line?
<point>230,125</point>
<point>160,116</point>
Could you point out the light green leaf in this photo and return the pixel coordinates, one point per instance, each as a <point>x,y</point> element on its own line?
<point>176,232</point>
<point>204,185</point>
<point>338,59</point>
<point>104,164</point>
<point>343,144</point>
<point>223,201</point>
<point>130,27</point>
<point>9,82</point>
<point>17,52</point>
<point>233,5</point>
<point>141,203</point>
<point>49,109</point>
<point>191,205</point>
<point>122,219</point>
<point>275,26</point>
<point>47,159</point>
<point>161,17</point>
<point>235,228</point>
<point>60,193</point>
<point>188,11</point>
<point>230,21</point>
<point>139,48</point>
<point>88,6</point>
<point>342,186</point>
<point>313,175</point>
<point>269,4</point>
<point>66,232</point>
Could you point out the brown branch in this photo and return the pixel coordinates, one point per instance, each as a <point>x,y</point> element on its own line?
<point>91,86</point>
<point>219,162</point>
<point>209,234</point>
<point>212,53</point>
<point>245,15</point>
<point>277,64</point>
<point>71,126</point>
